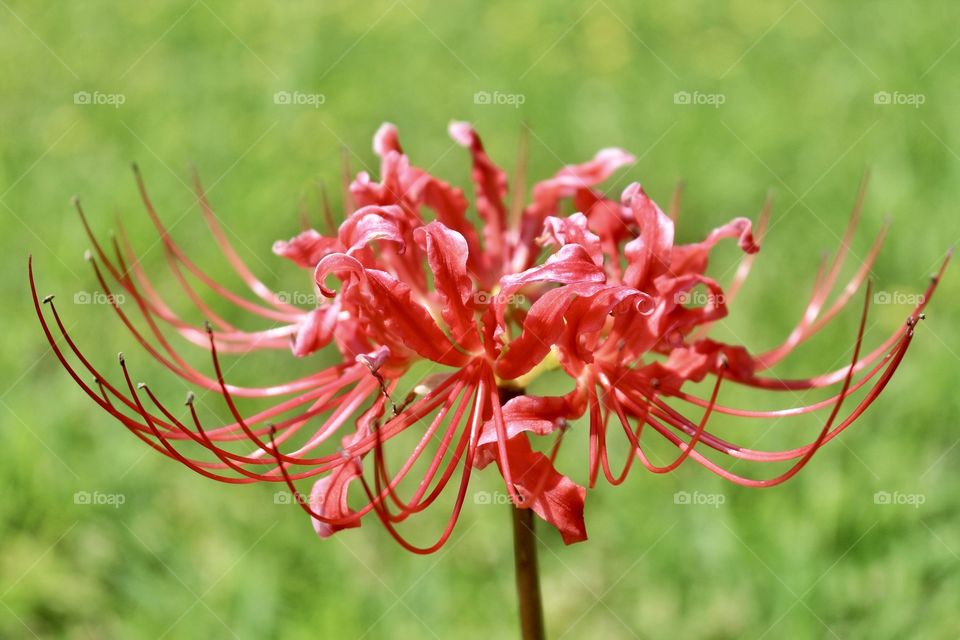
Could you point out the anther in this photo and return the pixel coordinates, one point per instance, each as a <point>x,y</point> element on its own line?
<point>190,399</point>
<point>48,299</point>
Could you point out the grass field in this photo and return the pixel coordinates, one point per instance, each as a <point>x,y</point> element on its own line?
<point>737,99</point>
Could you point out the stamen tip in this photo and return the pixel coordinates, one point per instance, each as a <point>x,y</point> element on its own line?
<point>190,398</point>
<point>122,360</point>
<point>141,385</point>
<point>48,299</point>
<point>88,255</point>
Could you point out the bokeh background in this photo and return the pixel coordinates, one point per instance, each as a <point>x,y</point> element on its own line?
<point>783,98</point>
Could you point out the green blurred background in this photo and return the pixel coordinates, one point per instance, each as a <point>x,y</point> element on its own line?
<point>183,557</point>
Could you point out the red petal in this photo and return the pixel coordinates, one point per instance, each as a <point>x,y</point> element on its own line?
<point>572,230</point>
<point>542,327</point>
<point>649,254</point>
<point>316,330</point>
<point>491,186</point>
<point>386,140</point>
<point>692,258</point>
<point>329,498</point>
<point>447,254</point>
<point>554,497</point>
<point>307,248</point>
<point>368,224</point>
<point>388,309</point>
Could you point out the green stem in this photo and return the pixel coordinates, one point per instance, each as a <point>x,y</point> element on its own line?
<point>528,575</point>
<point>525,558</point>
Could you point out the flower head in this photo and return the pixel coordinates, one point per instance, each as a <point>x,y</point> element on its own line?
<point>414,295</point>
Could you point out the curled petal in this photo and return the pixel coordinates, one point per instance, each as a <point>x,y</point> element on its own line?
<point>552,496</point>
<point>316,330</point>
<point>307,248</point>
<point>386,140</point>
<point>491,186</point>
<point>371,223</point>
<point>648,256</point>
<point>329,498</point>
<point>447,255</point>
<point>340,264</point>
<point>570,179</point>
<point>539,415</point>
<point>572,230</point>
<point>542,328</point>
<point>692,258</point>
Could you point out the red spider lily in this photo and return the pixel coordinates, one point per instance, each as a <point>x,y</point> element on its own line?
<point>604,295</point>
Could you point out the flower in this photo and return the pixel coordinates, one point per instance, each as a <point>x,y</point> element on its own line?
<point>412,294</point>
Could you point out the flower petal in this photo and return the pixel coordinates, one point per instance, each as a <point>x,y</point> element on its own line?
<point>316,329</point>
<point>447,255</point>
<point>553,496</point>
<point>329,498</point>
<point>491,186</point>
<point>307,248</point>
<point>648,255</point>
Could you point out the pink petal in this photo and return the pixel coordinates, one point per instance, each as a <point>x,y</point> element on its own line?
<point>491,186</point>
<point>371,223</point>
<point>316,330</point>
<point>307,248</point>
<point>329,498</point>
